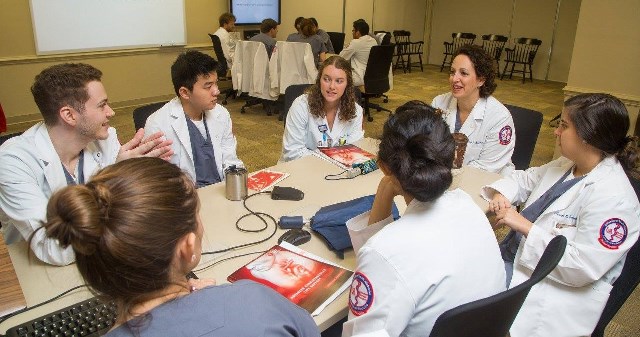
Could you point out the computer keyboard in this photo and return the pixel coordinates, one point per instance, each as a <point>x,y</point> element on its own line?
<point>87,318</point>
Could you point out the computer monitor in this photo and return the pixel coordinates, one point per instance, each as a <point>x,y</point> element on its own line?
<point>252,12</point>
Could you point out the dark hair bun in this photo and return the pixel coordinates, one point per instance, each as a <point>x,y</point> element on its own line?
<point>418,148</point>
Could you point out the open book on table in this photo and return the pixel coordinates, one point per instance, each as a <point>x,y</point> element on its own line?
<point>345,156</point>
<point>264,179</point>
<point>305,279</point>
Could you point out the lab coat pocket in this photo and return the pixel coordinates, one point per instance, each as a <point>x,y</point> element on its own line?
<point>600,291</point>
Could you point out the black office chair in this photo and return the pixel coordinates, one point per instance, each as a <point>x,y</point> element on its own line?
<point>294,91</point>
<point>141,113</point>
<point>527,123</point>
<point>626,282</point>
<point>493,316</point>
<point>249,33</point>
<point>376,77</point>
<point>457,40</point>
<point>337,40</point>
<point>5,137</point>
<point>223,68</point>
<point>523,53</point>
<point>386,38</point>
<point>494,45</point>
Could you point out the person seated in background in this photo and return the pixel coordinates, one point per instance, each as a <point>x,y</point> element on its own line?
<point>378,39</point>
<point>324,36</point>
<point>308,35</point>
<point>358,50</point>
<point>326,115</point>
<point>586,196</point>
<point>408,272</point>
<point>470,109</point>
<point>140,259</point>
<point>268,32</point>
<point>227,23</point>
<point>73,142</point>
<point>200,128</point>
<point>294,37</point>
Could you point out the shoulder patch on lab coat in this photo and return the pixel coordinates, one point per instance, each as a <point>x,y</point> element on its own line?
<point>360,295</point>
<point>505,135</point>
<point>613,232</point>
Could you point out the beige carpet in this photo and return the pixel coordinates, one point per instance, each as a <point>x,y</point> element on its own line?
<point>260,137</point>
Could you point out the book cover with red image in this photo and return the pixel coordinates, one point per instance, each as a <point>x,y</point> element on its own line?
<point>347,155</point>
<point>264,179</point>
<point>305,281</point>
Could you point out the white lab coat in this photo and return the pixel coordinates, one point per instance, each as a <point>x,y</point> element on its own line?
<point>570,300</point>
<point>302,134</point>
<point>228,43</point>
<point>358,53</point>
<point>171,120</point>
<point>437,256</point>
<point>492,136</point>
<point>250,71</point>
<point>30,172</point>
<point>291,63</point>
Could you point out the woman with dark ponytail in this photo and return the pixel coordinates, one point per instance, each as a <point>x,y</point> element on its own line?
<point>441,253</point>
<point>136,233</point>
<point>585,196</point>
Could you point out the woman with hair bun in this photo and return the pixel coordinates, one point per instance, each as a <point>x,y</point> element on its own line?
<point>471,109</point>
<point>585,196</point>
<point>441,253</point>
<point>136,233</point>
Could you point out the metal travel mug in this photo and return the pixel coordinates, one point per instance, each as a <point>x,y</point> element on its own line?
<point>235,182</point>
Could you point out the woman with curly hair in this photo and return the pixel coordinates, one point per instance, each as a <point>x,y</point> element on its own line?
<point>326,115</point>
<point>470,109</point>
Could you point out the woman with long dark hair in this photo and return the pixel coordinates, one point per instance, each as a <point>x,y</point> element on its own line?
<point>584,195</point>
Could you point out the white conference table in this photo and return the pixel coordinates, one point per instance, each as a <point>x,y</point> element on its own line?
<point>40,282</point>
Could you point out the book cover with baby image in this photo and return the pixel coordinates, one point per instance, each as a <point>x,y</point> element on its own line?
<point>297,275</point>
<point>346,156</point>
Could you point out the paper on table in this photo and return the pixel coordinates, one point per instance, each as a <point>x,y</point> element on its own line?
<point>264,179</point>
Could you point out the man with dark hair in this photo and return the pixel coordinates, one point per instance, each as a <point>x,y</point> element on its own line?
<point>324,36</point>
<point>358,50</point>
<point>227,25</point>
<point>73,143</point>
<point>293,37</point>
<point>200,129</point>
<point>268,33</point>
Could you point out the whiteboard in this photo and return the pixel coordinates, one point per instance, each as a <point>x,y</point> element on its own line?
<point>63,26</point>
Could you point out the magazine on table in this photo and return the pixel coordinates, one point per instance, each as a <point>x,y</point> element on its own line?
<point>345,156</point>
<point>264,179</point>
<point>305,279</point>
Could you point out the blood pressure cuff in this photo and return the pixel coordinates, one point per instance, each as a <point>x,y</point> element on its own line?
<point>331,221</point>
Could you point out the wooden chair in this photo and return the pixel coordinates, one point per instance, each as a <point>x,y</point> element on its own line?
<point>402,39</point>
<point>494,45</point>
<point>523,53</point>
<point>457,40</point>
<point>414,49</point>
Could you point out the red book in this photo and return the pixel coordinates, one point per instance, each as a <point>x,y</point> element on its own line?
<point>305,281</point>
<point>346,155</point>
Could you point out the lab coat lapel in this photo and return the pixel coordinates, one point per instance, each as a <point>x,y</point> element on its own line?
<point>49,160</point>
<point>214,124</point>
<point>474,121</point>
<point>179,126</point>
<point>567,197</point>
